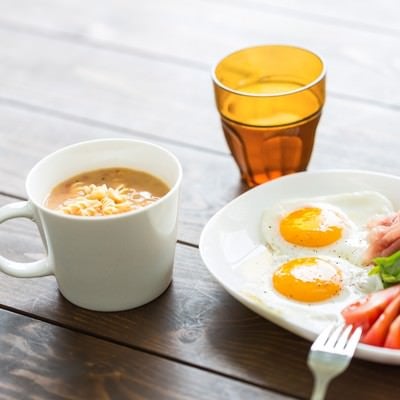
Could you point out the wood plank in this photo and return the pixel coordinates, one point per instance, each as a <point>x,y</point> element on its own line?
<point>151,96</point>
<point>360,139</point>
<point>41,361</point>
<point>195,321</point>
<point>170,28</point>
<point>365,15</point>
<point>122,96</point>
<point>356,136</point>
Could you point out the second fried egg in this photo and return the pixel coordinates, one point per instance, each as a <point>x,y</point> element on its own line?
<point>307,291</point>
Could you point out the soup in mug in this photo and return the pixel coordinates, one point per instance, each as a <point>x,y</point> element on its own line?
<point>106,192</point>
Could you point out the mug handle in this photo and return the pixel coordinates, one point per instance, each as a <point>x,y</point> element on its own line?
<point>22,209</point>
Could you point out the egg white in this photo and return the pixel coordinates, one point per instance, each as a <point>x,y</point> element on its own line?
<point>355,211</point>
<point>257,271</point>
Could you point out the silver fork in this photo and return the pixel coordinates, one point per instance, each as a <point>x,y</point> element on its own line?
<point>330,355</point>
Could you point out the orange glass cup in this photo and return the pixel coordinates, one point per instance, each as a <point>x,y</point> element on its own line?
<point>270,100</point>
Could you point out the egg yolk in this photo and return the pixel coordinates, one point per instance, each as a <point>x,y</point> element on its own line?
<point>311,227</point>
<point>308,279</point>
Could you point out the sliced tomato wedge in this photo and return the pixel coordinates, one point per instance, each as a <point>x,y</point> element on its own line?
<point>393,337</point>
<point>367,310</point>
<point>376,336</point>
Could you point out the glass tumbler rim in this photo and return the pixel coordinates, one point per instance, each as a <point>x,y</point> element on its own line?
<point>309,85</point>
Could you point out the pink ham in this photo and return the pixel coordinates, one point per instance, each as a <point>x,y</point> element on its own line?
<point>384,237</point>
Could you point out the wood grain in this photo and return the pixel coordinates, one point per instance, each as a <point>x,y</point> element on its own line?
<point>171,28</point>
<point>122,100</point>
<point>195,321</point>
<point>361,16</point>
<point>366,15</point>
<point>362,139</point>
<point>41,361</point>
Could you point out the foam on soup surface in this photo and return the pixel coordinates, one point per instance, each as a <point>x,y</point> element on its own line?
<point>106,192</point>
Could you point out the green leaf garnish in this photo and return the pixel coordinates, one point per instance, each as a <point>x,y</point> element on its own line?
<point>388,268</point>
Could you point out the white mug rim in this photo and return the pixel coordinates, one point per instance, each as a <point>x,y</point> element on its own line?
<point>141,210</point>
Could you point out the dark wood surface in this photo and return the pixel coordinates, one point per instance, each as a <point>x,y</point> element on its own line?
<point>72,71</point>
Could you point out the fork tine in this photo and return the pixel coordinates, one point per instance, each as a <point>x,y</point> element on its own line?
<point>343,338</point>
<point>353,341</point>
<point>322,338</point>
<point>334,337</point>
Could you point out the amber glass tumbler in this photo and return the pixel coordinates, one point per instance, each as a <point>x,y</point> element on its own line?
<point>270,100</point>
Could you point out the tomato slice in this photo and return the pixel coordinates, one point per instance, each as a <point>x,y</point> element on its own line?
<point>393,337</point>
<point>367,310</point>
<point>376,336</point>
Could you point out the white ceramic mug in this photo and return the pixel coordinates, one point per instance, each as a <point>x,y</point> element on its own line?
<point>107,263</point>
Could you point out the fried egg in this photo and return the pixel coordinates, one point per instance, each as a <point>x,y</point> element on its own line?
<point>308,291</point>
<point>333,225</point>
<point>310,264</point>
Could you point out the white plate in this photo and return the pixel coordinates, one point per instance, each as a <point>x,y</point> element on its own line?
<point>234,232</point>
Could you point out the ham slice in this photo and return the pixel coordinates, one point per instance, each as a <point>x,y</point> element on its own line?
<point>384,237</point>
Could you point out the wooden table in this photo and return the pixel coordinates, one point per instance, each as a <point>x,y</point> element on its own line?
<point>74,70</point>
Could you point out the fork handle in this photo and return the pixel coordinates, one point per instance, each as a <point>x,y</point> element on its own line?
<point>320,386</point>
